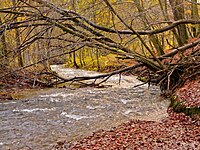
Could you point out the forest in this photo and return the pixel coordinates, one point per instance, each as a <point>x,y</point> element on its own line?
<point>160,35</point>
<point>156,40</point>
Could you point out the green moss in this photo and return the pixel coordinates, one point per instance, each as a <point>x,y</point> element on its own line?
<point>2,86</point>
<point>143,79</point>
<point>178,106</point>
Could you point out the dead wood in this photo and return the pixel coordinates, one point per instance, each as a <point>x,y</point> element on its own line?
<point>104,77</point>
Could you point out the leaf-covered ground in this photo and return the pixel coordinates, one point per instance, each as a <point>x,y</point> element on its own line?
<point>178,131</point>
<point>189,93</point>
<point>14,83</point>
<point>175,132</point>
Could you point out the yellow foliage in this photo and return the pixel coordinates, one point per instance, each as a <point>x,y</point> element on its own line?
<point>188,12</point>
<point>106,63</point>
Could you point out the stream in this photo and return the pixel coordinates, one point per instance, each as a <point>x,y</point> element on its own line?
<point>67,114</point>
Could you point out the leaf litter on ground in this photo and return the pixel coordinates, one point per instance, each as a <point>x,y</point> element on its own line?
<point>177,131</point>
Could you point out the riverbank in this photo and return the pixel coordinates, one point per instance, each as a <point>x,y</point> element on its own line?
<point>187,98</point>
<point>180,130</point>
<point>20,84</point>
<point>176,131</point>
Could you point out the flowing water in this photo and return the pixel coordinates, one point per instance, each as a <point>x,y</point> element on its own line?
<point>68,114</point>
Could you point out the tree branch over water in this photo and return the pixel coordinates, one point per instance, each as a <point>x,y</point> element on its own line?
<point>149,34</point>
<point>101,76</point>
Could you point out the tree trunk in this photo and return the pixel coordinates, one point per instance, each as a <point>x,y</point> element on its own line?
<point>17,36</point>
<point>153,38</point>
<point>73,3</point>
<point>178,13</point>
<point>4,51</point>
<point>195,16</point>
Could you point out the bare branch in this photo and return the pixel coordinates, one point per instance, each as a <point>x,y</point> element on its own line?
<point>63,80</point>
<point>179,49</point>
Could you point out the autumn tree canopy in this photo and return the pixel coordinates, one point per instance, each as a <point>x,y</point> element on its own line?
<point>161,35</point>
